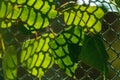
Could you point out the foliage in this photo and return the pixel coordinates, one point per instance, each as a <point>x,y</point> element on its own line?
<point>64,35</point>
<point>10,64</point>
<point>97,52</point>
<point>35,55</point>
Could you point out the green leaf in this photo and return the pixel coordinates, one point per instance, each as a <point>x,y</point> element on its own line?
<point>93,52</point>
<point>9,63</point>
<point>88,14</point>
<point>87,17</point>
<point>5,12</point>
<point>66,49</point>
<point>36,57</point>
<point>33,14</point>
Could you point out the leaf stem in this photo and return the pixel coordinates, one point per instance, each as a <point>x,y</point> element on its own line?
<point>2,43</point>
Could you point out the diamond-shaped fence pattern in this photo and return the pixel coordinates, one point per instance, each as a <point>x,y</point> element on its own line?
<point>27,27</point>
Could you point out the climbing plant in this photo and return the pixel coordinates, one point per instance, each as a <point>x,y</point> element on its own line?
<point>53,32</point>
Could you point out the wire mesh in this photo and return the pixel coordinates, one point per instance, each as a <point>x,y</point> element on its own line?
<point>110,33</point>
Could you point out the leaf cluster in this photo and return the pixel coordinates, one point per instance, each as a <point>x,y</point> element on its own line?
<point>64,35</point>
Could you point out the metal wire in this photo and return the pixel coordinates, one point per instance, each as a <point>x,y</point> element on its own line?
<point>111,37</point>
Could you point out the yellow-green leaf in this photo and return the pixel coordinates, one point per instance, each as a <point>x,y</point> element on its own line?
<point>87,17</point>
<point>35,55</point>
<point>34,15</point>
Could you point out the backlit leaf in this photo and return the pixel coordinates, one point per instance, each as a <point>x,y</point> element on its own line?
<point>34,15</point>
<point>87,17</point>
<point>36,57</point>
<point>66,49</point>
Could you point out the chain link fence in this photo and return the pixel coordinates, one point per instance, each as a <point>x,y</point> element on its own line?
<point>111,37</point>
